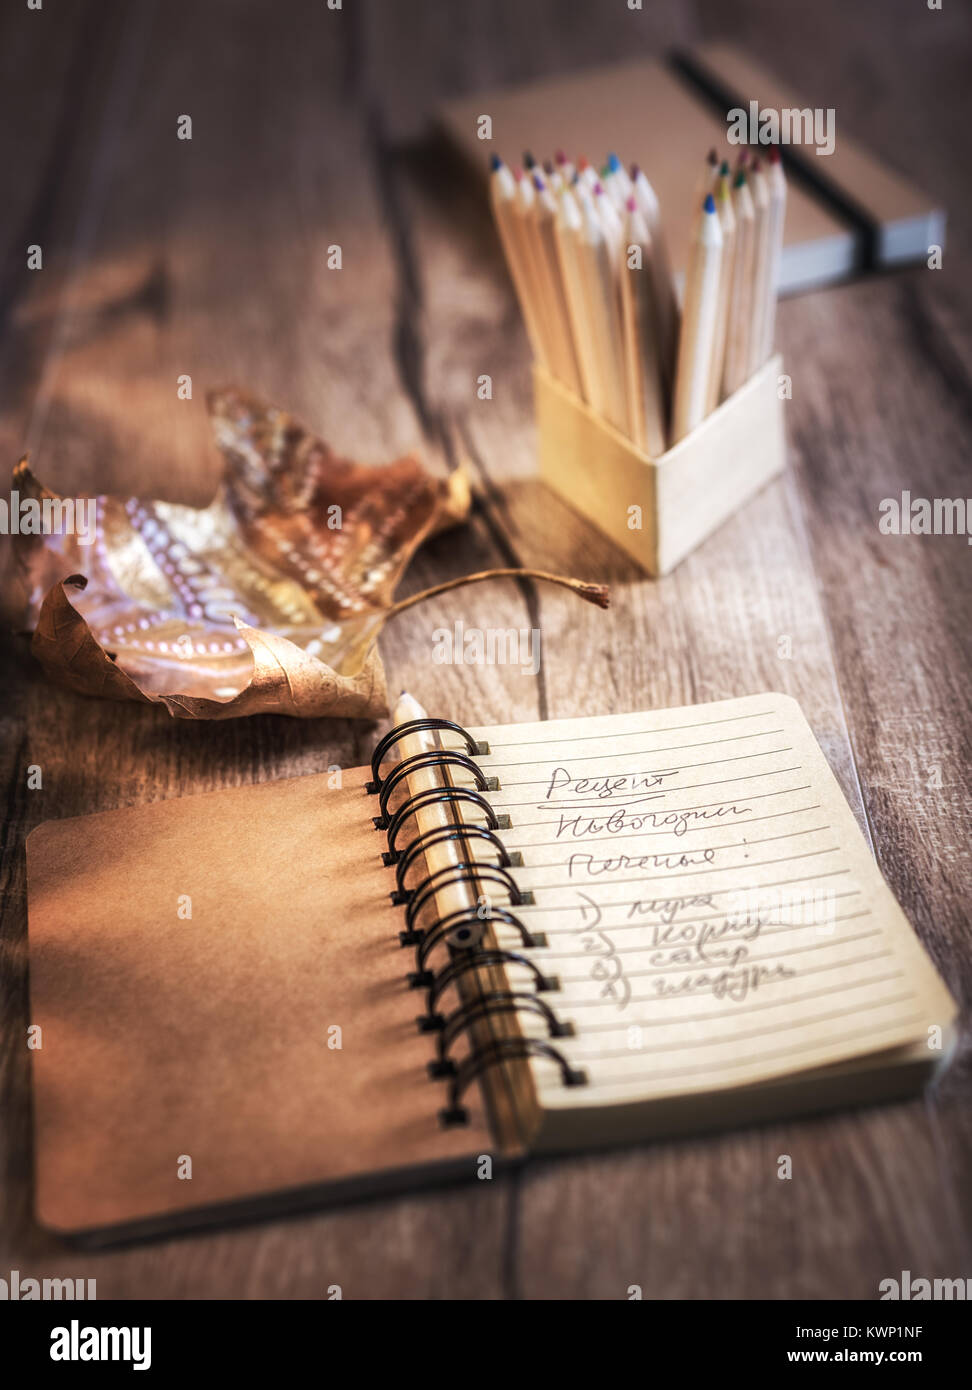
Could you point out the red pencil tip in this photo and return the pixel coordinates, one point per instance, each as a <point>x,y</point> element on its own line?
<point>560,157</point>
<point>774,154</point>
<point>518,173</point>
<point>743,159</point>
<point>583,163</point>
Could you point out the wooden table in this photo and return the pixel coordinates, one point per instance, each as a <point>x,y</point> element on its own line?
<point>164,257</point>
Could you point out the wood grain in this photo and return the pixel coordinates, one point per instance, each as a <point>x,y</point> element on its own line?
<point>250,204</point>
<point>163,257</point>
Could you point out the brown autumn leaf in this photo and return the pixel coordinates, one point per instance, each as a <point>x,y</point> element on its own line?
<point>268,600</point>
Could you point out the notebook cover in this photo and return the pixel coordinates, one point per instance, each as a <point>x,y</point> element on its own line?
<point>166,1036</point>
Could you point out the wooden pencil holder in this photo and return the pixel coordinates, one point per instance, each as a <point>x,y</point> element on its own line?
<point>683,495</point>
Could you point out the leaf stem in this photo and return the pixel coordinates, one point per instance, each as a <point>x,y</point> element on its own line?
<point>598,594</point>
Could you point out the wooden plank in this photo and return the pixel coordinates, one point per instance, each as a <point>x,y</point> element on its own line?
<point>191,266</point>
<point>208,257</point>
<point>46,147</point>
<point>743,613</point>
<point>885,407</point>
<point>473,48</point>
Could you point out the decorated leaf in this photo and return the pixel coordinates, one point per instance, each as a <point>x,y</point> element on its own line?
<point>269,600</point>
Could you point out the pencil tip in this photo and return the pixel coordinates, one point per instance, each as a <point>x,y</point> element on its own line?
<point>740,179</point>
<point>630,203</point>
<point>723,168</point>
<point>743,158</point>
<point>713,157</point>
<point>614,164</point>
<point>528,159</point>
<point>635,170</point>
<point>548,167</point>
<point>538,183</point>
<point>598,188</point>
<point>774,154</point>
<point>560,157</point>
<point>709,204</point>
<point>495,162</point>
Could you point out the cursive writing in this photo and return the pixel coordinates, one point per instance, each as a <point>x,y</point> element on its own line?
<point>724,984</point>
<point>617,786</point>
<point>620,820</point>
<point>586,863</point>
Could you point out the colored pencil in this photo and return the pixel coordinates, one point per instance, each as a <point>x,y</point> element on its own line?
<point>698,323</point>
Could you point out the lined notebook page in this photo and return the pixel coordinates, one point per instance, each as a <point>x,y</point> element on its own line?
<point>711,909</point>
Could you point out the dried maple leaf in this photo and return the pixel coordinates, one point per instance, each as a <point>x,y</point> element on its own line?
<point>269,600</point>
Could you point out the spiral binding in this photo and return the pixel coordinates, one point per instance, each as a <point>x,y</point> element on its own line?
<point>441,835</point>
<point>461,932</point>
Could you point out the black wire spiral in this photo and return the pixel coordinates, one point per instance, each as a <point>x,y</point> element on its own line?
<point>461,932</point>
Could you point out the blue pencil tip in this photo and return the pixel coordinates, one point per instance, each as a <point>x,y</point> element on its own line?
<point>614,164</point>
<point>495,162</point>
<point>709,203</point>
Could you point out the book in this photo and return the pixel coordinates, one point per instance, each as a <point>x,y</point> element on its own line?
<point>895,221</point>
<point>845,210</point>
<point>522,939</point>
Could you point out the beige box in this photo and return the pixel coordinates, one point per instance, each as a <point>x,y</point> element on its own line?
<point>683,495</point>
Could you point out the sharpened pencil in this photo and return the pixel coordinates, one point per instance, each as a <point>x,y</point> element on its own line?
<point>666,304</point>
<point>698,323</point>
<point>644,381</point>
<point>777,215</point>
<point>727,222</point>
<point>762,264</point>
<point>552,287</point>
<point>736,367</point>
<point>502,189</point>
<point>569,229</point>
<point>603,311</point>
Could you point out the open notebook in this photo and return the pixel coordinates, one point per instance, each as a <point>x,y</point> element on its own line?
<point>617,928</point>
